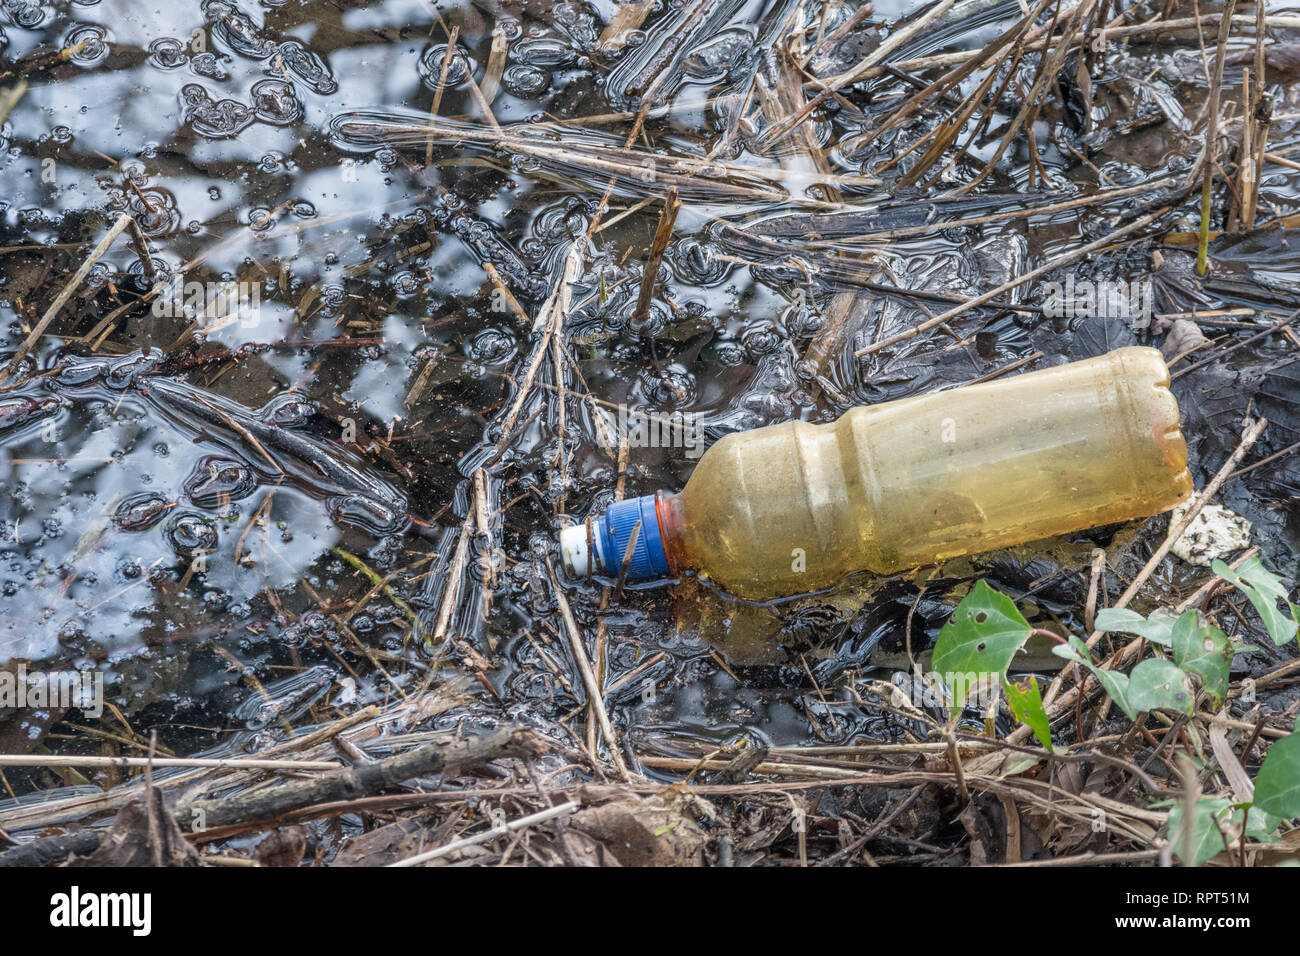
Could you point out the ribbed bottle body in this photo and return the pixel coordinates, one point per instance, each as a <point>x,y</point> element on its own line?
<point>795,507</point>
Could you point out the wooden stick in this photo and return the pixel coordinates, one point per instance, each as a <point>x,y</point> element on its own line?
<point>234,763</point>
<point>34,336</point>
<point>588,675</point>
<point>650,272</point>
<point>505,829</point>
<point>437,93</point>
<point>1211,133</point>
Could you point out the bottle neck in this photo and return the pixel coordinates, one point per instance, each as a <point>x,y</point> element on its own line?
<point>640,537</point>
<point>672,524</point>
<point>629,540</point>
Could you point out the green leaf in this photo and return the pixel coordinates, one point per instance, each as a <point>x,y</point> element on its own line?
<point>1277,788</point>
<point>1158,684</point>
<point>1017,764</point>
<point>1207,839</point>
<point>1155,629</point>
<point>1115,683</point>
<point>1260,825</point>
<point>1027,705</point>
<point>1204,650</point>
<point>979,641</point>
<point>1264,589</point>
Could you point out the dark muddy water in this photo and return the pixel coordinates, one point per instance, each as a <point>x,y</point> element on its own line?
<point>270,491</point>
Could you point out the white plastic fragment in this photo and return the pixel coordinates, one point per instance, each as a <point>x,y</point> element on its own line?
<point>1214,533</point>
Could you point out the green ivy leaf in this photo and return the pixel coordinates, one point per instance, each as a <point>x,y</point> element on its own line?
<point>1207,839</point>
<point>980,639</point>
<point>1277,788</point>
<point>1204,650</point>
<point>1264,590</point>
<point>1152,685</point>
<point>1155,629</point>
<point>1158,684</point>
<point>1260,825</point>
<point>1027,705</point>
<point>1115,684</point>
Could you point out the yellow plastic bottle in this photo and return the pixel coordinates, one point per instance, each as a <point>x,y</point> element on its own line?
<point>795,507</point>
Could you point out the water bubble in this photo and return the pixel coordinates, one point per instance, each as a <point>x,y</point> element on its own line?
<point>726,352</point>
<point>141,511</point>
<point>405,284</point>
<point>275,102</point>
<point>283,700</point>
<point>155,210</point>
<point>143,284</point>
<point>579,23</point>
<point>135,172</point>
<point>290,410</point>
<point>72,636</point>
<point>27,13</point>
<point>234,28</point>
<point>129,569</point>
<point>216,600</point>
<point>458,71</point>
<point>215,119</point>
<point>368,514</point>
<point>167,53</point>
<point>804,322</point>
<point>713,59</point>
<point>671,387</point>
<point>654,323</point>
<point>510,28</point>
<point>491,346</point>
<point>696,262</point>
<point>561,222</point>
<point>762,339</point>
<point>192,534</point>
<point>309,67</point>
<point>332,296</point>
<point>93,40</point>
<point>122,373</point>
<point>209,65</point>
<point>217,481</point>
<point>260,219</point>
<point>32,218</point>
<point>524,81</point>
<point>548,52</point>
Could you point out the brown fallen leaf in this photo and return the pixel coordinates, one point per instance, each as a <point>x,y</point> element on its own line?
<point>282,847</point>
<point>649,832</point>
<point>385,844</point>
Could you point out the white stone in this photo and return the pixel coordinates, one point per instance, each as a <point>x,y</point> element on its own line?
<point>1214,533</point>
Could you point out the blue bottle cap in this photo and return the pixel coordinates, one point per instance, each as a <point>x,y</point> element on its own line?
<point>649,560</point>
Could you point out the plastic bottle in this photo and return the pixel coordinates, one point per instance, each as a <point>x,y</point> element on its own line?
<point>793,508</point>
